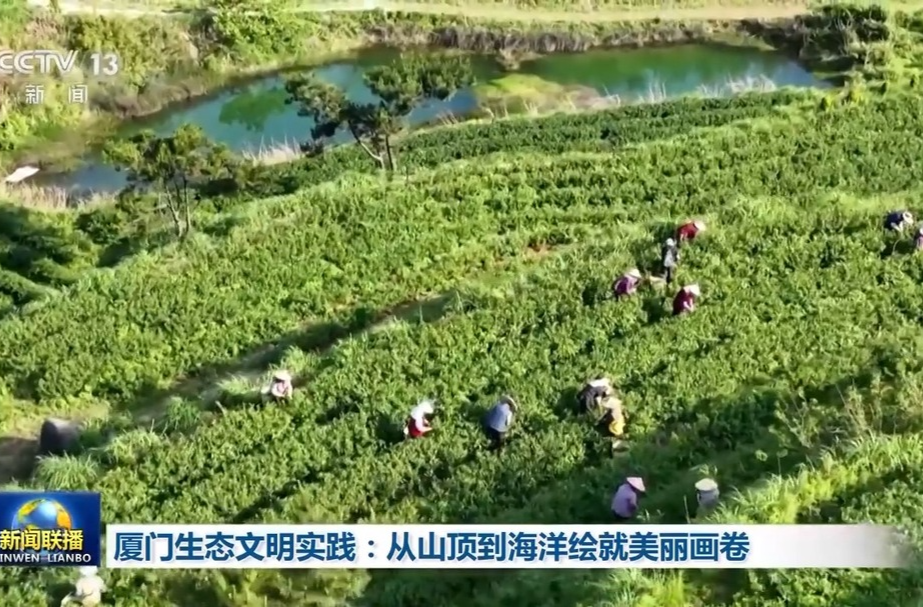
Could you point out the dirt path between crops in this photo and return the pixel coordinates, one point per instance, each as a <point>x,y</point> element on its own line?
<point>710,13</point>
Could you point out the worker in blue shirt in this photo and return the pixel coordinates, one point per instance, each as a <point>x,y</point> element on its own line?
<point>498,421</point>
<point>897,221</point>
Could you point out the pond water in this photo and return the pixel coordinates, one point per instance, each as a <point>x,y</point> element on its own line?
<point>255,116</point>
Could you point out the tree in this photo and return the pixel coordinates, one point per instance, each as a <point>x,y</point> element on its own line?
<point>171,167</point>
<point>399,87</point>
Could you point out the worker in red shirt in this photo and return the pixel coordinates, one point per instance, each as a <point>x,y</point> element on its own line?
<point>627,283</point>
<point>685,299</point>
<point>417,424</point>
<point>689,230</point>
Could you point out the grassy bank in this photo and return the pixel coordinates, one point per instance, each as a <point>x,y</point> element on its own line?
<point>170,59</point>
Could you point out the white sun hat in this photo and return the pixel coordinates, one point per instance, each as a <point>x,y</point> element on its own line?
<point>693,288</point>
<point>699,225</point>
<point>282,376</point>
<point>636,483</point>
<point>706,485</point>
<point>424,407</point>
<point>634,273</point>
<point>87,571</point>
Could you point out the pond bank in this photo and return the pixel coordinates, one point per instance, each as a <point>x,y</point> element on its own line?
<point>254,118</point>
<point>211,54</point>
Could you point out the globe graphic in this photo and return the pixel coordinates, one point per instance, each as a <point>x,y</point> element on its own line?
<point>42,514</point>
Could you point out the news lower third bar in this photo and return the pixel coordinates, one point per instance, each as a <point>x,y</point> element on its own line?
<point>503,547</point>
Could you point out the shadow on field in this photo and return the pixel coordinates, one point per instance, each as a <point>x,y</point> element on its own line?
<point>316,338</point>
<point>730,438</point>
<point>757,432</point>
<point>17,457</point>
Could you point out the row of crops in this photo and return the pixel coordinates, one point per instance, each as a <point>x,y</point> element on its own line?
<point>809,331</point>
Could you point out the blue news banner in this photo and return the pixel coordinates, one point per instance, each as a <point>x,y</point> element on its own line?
<point>50,529</point>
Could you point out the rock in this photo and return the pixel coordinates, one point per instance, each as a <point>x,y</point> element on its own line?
<point>57,437</point>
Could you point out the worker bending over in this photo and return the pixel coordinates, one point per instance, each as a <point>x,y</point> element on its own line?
<point>625,500</point>
<point>897,221</point>
<point>280,388</point>
<point>627,283</point>
<point>417,424</point>
<point>88,590</point>
<point>685,300</point>
<point>689,230</point>
<point>498,421</point>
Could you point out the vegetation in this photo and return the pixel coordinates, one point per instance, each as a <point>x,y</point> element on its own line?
<point>172,168</point>
<point>169,59</point>
<point>485,268</point>
<point>398,89</point>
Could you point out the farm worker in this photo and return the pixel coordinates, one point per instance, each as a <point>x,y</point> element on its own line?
<point>627,283</point>
<point>689,230</point>
<point>706,494</point>
<point>669,259</point>
<point>685,299</point>
<point>280,388</point>
<point>898,220</point>
<point>594,392</point>
<point>417,425</point>
<point>625,500</point>
<point>918,239</point>
<point>498,421</point>
<point>88,589</point>
<point>613,416</point>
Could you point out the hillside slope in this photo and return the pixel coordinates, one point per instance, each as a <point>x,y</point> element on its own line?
<point>491,274</point>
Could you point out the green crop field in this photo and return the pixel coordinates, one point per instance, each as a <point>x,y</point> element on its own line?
<point>485,268</point>
<point>482,268</point>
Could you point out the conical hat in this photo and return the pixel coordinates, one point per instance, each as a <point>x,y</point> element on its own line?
<point>636,482</point>
<point>705,485</point>
<point>425,407</point>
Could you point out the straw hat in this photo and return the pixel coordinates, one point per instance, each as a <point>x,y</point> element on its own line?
<point>425,407</point>
<point>693,288</point>
<point>699,225</point>
<point>87,571</point>
<point>636,483</point>
<point>282,376</point>
<point>706,485</point>
<point>633,273</point>
<point>908,216</point>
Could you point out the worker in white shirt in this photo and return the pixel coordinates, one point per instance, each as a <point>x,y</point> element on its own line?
<point>88,590</point>
<point>417,424</point>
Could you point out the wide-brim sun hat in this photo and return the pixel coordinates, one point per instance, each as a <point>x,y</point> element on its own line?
<point>636,483</point>
<point>634,273</point>
<point>699,225</point>
<point>87,570</point>
<point>705,485</point>
<point>282,376</point>
<point>424,407</point>
<point>693,288</point>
